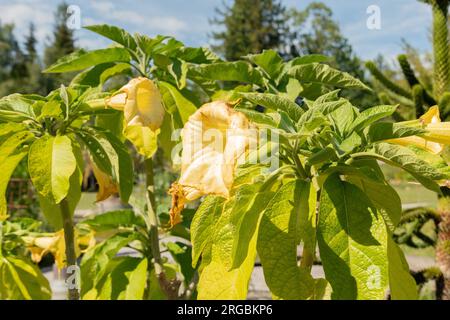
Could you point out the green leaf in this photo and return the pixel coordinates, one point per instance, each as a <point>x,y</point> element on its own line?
<point>177,68</point>
<point>17,103</point>
<point>95,261</point>
<point>372,115</point>
<point>202,226</point>
<point>258,117</point>
<point>229,71</point>
<point>275,102</point>
<point>402,284</point>
<point>311,58</point>
<point>115,220</point>
<point>8,166</point>
<point>111,156</point>
<point>114,33</point>
<point>22,280</point>
<point>98,74</point>
<point>370,179</point>
<point>51,210</point>
<point>51,163</point>
<point>269,60</point>
<point>406,159</point>
<point>352,241</point>
<point>12,142</point>
<point>148,45</point>
<point>279,236</point>
<point>125,279</point>
<point>324,74</point>
<point>82,59</point>
<point>182,254</point>
<point>386,130</point>
<point>217,280</point>
<point>176,102</point>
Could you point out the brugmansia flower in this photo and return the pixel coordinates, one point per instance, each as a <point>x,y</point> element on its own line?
<point>106,186</point>
<point>213,140</point>
<point>436,137</point>
<point>54,244</point>
<point>141,103</point>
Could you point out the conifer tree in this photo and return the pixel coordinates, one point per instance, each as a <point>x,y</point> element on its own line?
<point>250,26</point>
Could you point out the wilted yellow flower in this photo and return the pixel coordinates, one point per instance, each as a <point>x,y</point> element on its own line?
<point>106,186</point>
<point>213,140</point>
<point>437,135</point>
<point>140,102</point>
<point>54,244</point>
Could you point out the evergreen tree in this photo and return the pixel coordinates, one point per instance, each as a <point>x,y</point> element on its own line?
<point>30,44</point>
<point>250,26</point>
<point>62,43</point>
<point>314,31</point>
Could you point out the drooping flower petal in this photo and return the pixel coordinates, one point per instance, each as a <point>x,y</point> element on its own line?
<point>106,186</point>
<point>214,138</point>
<point>141,103</point>
<point>55,244</point>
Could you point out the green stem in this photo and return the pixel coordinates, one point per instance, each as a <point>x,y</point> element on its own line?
<point>69,238</point>
<point>153,231</point>
<point>97,104</point>
<point>301,170</point>
<point>307,259</point>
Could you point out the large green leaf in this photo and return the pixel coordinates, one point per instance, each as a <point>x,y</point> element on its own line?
<point>388,130</point>
<point>324,74</point>
<point>402,285</point>
<point>95,262</point>
<point>114,33</point>
<point>202,226</point>
<point>269,60</point>
<point>52,211</point>
<point>372,115</point>
<point>111,156</point>
<point>17,103</point>
<point>370,179</point>
<point>22,280</point>
<point>217,280</point>
<point>82,59</point>
<point>238,71</point>
<point>126,279</point>
<point>100,73</point>
<point>8,166</point>
<point>114,220</point>
<point>10,143</point>
<point>51,163</point>
<point>410,162</point>
<point>275,102</point>
<point>352,240</point>
<point>279,236</point>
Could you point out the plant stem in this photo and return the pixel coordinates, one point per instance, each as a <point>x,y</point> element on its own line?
<point>153,231</point>
<point>307,259</point>
<point>69,239</point>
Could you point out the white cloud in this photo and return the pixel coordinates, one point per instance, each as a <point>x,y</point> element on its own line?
<point>22,14</point>
<point>157,23</point>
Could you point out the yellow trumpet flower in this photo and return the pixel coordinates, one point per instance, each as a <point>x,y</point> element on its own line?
<point>54,244</point>
<point>436,137</point>
<point>213,140</point>
<point>143,110</point>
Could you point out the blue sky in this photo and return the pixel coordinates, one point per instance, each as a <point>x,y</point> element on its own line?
<point>188,20</point>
